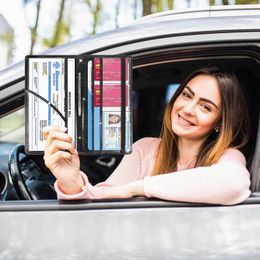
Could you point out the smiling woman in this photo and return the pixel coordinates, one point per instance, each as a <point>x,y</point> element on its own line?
<point>195,160</point>
<point>200,122</point>
<point>165,48</point>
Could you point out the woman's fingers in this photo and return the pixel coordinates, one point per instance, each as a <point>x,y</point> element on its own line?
<point>46,130</point>
<point>57,145</point>
<point>56,135</point>
<point>55,132</point>
<point>56,140</point>
<point>50,161</point>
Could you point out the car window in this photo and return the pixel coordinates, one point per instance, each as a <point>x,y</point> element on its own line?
<point>12,127</point>
<point>170,92</point>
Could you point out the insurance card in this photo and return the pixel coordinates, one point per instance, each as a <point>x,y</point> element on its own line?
<point>46,79</point>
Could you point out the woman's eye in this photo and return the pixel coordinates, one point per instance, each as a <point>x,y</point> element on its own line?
<point>206,107</point>
<point>186,95</point>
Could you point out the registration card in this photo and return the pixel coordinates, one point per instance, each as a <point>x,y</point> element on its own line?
<point>108,124</point>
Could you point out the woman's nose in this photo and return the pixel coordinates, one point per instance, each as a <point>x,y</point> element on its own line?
<point>189,108</point>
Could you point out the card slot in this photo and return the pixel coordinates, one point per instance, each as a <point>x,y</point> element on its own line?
<point>84,106</point>
<point>130,81</point>
<point>89,95</point>
<point>70,96</point>
<point>79,69</point>
<point>101,106</point>
<point>79,94</point>
<point>123,104</point>
<point>92,105</point>
<point>83,135</point>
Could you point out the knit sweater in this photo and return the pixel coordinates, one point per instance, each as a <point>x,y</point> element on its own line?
<point>226,182</point>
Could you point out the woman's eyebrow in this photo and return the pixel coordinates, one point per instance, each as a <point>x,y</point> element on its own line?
<point>203,99</point>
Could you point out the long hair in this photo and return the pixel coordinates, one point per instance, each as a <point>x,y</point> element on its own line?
<point>233,131</point>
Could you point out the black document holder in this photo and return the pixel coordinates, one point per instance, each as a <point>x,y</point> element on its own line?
<point>89,95</point>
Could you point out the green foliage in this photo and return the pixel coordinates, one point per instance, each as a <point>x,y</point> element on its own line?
<point>242,2</point>
<point>9,39</point>
<point>147,7</point>
<point>154,6</point>
<point>170,4</point>
<point>159,5</point>
<point>34,29</point>
<point>95,8</point>
<point>61,30</point>
<point>237,2</point>
<point>59,37</point>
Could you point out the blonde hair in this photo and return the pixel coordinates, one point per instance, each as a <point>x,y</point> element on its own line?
<point>233,129</point>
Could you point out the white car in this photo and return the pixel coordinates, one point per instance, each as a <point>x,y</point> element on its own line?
<point>164,48</point>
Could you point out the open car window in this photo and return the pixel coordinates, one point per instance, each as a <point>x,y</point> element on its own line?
<point>154,83</point>
<point>12,127</point>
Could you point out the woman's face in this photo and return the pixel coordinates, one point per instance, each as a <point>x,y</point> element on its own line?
<point>197,110</point>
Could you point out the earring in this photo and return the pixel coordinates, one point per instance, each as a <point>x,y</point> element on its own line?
<point>216,129</point>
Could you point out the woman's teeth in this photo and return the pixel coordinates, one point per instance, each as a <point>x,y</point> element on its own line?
<point>185,121</point>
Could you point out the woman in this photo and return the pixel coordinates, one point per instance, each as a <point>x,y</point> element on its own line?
<point>195,160</point>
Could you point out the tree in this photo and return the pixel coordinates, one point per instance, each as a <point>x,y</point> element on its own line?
<point>61,29</point>
<point>8,37</point>
<point>159,5</point>
<point>147,7</point>
<point>237,2</point>
<point>170,4</point>
<point>95,9</point>
<point>117,9</point>
<point>241,2</point>
<point>135,9</point>
<point>152,6</point>
<point>34,28</point>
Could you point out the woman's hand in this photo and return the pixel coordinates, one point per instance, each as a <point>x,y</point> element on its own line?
<point>62,159</point>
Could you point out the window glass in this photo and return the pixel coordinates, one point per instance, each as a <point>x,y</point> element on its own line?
<point>170,91</point>
<point>12,127</point>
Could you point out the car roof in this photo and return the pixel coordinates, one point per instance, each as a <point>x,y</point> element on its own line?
<point>160,25</point>
<point>207,12</point>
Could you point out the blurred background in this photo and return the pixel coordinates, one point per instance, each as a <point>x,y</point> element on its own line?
<point>31,26</point>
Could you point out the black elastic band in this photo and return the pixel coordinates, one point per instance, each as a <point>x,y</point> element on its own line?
<point>47,102</point>
<point>66,91</point>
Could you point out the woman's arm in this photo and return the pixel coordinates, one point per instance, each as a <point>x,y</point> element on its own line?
<point>226,182</point>
<point>123,182</point>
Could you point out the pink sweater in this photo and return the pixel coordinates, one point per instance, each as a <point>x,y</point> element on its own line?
<point>226,182</point>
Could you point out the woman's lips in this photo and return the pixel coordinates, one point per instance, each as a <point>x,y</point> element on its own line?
<point>184,121</point>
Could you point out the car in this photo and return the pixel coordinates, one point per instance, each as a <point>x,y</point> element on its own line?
<point>164,48</point>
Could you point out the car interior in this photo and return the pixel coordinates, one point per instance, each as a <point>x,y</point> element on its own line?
<point>155,78</point>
